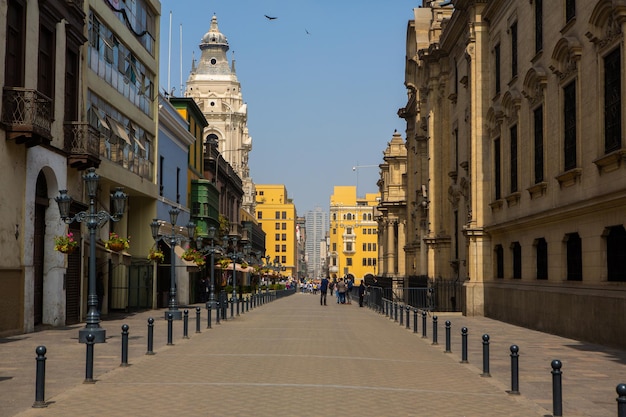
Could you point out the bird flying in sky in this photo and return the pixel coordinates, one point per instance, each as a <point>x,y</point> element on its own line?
<point>271,17</point>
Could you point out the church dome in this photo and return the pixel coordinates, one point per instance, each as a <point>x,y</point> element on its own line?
<point>213,37</point>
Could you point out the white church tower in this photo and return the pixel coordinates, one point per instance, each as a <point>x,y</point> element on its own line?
<point>214,86</point>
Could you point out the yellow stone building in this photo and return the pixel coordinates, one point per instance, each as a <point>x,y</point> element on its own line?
<point>353,243</point>
<point>276,213</point>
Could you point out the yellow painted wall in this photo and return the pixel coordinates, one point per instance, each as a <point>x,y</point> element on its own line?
<point>353,233</point>
<point>276,214</point>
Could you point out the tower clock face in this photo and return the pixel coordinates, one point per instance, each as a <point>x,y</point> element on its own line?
<point>213,61</point>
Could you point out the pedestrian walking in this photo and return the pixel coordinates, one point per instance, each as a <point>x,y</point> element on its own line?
<point>323,291</point>
<point>361,292</point>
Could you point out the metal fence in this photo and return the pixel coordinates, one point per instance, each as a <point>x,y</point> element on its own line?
<point>437,295</point>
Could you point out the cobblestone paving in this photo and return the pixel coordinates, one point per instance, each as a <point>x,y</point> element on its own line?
<point>293,357</point>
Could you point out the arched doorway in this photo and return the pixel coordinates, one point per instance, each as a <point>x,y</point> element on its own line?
<point>41,204</point>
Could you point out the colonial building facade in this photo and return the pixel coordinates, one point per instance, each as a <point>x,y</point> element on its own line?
<point>353,240</point>
<point>78,93</point>
<point>515,126</point>
<point>392,221</point>
<point>213,84</point>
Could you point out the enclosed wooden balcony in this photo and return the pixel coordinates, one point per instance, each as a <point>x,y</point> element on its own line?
<point>26,116</point>
<point>82,144</point>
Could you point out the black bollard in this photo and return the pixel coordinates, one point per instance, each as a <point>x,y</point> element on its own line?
<point>89,362</point>
<point>150,336</point>
<point>464,345</point>
<point>232,307</point>
<point>414,320</point>
<point>401,315</point>
<point>40,379</point>
<point>198,320</point>
<point>448,341</point>
<point>170,330</point>
<point>217,312</point>
<point>486,356</point>
<point>424,324</point>
<point>557,397</point>
<point>237,301</point>
<point>514,370</point>
<point>408,309</point>
<point>621,400</point>
<point>186,324</point>
<point>208,313</point>
<point>395,311</point>
<point>124,345</point>
<point>435,330</point>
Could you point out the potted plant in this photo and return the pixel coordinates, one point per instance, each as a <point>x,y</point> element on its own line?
<point>156,255</point>
<point>117,243</point>
<point>65,243</point>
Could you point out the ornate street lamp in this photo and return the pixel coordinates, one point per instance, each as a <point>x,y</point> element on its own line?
<point>212,303</point>
<point>173,239</point>
<point>93,220</point>
<point>235,256</point>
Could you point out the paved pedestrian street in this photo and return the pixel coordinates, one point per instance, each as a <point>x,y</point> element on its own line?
<point>293,357</point>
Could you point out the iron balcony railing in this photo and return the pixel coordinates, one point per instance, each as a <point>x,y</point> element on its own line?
<point>26,112</point>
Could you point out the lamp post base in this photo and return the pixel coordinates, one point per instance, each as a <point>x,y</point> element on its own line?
<point>99,334</point>
<point>176,314</point>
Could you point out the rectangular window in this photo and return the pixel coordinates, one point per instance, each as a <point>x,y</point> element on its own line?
<point>569,118</point>
<point>612,102</point>
<point>348,261</point>
<point>541,249</point>
<point>570,10</point>
<point>538,133</point>
<point>259,215</point>
<point>284,236</point>
<point>277,248</point>
<point>514,50</point>
<point>364,262</point>
<point>499,262</point>
<point>277,237</point>
<point>364,247</point>
<point>334,231</point>
<point>496,169</point>
<point>334,247</point>
<point>284,214</point>
<point>348,246</point>
<point>496,53</point>
<point>46,62</point>
<point>15,44</point>
<point>517,260</point>
<point>277,215</point>
<point>513,159</point>
<point>277,226</point>
<point>283,248</point>
<point>284,226</point>
<point>574,250</point>
<point>538,26</point>
<point>283,260</point>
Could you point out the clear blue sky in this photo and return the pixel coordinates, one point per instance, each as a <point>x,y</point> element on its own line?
<point>318,103</point>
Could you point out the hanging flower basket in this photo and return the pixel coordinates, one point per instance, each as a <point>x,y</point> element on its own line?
<point>117,243</point>
<point>156,255</point>
<point>66,243</point>
<point>190,254</point>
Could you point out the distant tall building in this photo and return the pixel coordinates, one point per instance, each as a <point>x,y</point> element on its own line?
<point>316,228</point>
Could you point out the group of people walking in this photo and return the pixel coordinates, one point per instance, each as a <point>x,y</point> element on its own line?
<point>342,289</point>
